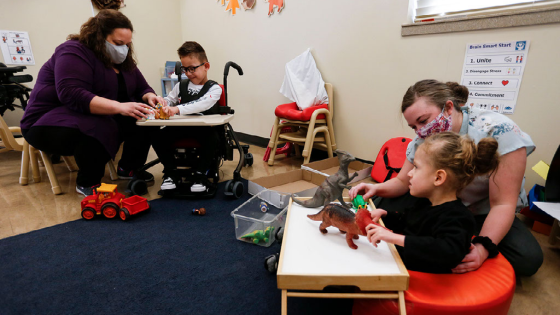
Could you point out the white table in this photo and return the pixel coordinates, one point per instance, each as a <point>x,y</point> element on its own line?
<point>191,120</point>
<point>310,260</point>
<point>553,209</point>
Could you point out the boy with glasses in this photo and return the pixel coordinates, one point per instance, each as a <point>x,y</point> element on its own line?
<point>195,95</point>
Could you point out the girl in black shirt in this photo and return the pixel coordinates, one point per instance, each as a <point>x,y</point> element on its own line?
<point>435,235</point>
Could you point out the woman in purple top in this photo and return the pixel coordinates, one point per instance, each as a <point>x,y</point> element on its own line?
<point>87,99</point>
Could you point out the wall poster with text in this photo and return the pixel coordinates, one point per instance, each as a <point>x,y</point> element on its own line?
<point>493,74</point>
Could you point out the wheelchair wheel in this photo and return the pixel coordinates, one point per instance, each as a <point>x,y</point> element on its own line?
<point>237,189</point>
<point>271,263</point>
<point>280,234</point>
<point>229,186</point>
<point>138,187</point>
<point>249,159</point>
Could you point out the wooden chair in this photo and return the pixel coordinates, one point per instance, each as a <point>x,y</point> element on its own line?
<point>11,143</point>
<point>72,167</point>
<point>29,155</point>
<point>307,129</point>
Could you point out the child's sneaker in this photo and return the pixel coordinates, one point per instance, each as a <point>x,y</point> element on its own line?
<point>143,175</point>
<point>198,188</point>
<point>168,183</point>
<point>86,191</point>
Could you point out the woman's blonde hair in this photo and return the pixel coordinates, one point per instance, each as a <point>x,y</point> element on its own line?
<point>437,93</point>
<point>461,156</point>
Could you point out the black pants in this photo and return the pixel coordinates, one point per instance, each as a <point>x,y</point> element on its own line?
<point>518,246</point>
<point>90,155</point>
<point>207,137</point>
<point>137,142</point>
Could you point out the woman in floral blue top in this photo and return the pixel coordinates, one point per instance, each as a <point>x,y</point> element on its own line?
<point>430,107</point>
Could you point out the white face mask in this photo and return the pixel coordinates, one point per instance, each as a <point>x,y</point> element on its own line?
<point>117,53</point>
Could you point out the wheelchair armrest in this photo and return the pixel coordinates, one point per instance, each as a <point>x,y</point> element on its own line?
<point>225,110</point>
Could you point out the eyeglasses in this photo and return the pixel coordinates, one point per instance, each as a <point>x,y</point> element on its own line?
<point>191,69</point>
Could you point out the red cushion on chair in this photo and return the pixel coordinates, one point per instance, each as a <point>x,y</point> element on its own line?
<point>292,112</point>
<point>486,291</point>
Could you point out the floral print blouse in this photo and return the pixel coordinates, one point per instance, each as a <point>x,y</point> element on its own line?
<point>479,124</point>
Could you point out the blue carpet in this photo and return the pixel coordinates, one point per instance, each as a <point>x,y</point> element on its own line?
<point>166,261</point>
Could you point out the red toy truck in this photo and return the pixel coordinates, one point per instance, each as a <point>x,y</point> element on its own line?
<point>108,201</point>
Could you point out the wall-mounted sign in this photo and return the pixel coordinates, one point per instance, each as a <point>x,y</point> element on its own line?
<point>16,48</point>
<point>493,73</point>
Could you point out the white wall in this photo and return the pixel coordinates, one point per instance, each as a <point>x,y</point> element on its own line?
<point>358,48</point>
<point>156,37</point>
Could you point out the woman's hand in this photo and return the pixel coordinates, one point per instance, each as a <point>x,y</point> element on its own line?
<point>135,110</point>
<point>367,190</point>
<point>153,99</point>
<point>376,214</point>
<point>170,111</point>
<point>473,260</point>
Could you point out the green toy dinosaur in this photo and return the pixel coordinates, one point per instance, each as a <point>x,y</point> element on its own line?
<point>260,235</point>
<point>358,203</point>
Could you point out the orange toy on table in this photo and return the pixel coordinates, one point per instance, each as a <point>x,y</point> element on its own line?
<point>159,113</point>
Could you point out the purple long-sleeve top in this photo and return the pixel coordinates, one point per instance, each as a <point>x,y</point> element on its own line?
<point>68,82</point>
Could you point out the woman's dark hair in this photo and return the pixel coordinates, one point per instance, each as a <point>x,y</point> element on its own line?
<point>437,93</point>
<point>94,32</point>
<point>461,156</point>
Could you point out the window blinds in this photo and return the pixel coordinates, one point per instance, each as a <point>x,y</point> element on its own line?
<point>431,10</point>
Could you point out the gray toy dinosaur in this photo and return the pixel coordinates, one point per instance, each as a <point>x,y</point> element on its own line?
<point>331,189</point>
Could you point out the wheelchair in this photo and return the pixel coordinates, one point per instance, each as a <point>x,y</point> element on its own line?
<point>186,156</point>
<point>11,87</point>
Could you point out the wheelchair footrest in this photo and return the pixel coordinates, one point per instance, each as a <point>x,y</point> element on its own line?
<point>185,191</point>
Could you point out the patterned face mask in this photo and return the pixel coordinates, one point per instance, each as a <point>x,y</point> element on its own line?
<point>439,124</point>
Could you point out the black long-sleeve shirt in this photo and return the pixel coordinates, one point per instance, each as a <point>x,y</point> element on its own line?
<point>436,238</point>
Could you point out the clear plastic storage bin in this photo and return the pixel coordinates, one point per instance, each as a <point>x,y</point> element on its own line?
<point>257,220</point>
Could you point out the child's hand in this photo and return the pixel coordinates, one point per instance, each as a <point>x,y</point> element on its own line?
<point>170,111</point>
<point>376,214</point>
<point>375,234</point>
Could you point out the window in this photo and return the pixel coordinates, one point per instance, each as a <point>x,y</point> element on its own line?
<point>446,16</point>
<point>437,10</point>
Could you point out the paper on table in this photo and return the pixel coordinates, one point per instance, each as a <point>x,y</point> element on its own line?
<point>541,168</point>
<point>552,208</point>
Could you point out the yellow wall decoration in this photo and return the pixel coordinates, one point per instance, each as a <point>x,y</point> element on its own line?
<point>233,5</point>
